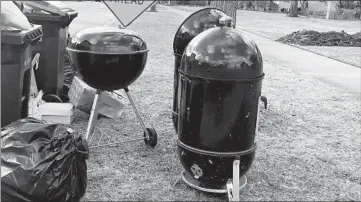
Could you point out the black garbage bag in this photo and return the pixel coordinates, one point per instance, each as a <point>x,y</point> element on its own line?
<point>42,162</point>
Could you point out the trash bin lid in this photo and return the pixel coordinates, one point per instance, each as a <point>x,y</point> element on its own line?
<point>48,8</point>
<point>18,37</point>
<point>107,40</point>
<point>222,53</point>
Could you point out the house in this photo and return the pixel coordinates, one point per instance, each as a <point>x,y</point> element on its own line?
<point>284,6</point>
<point>312,6</point>
<point>321,6</point>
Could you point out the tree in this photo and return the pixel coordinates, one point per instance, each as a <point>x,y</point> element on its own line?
<point>304,6</point>
<point>328,13</point>
<point>153,8</point>
<point>229,7</point>
<point>293,9</point>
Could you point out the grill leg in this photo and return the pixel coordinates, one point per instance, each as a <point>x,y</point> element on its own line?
<point>135,108</point>
<point>233,184</point>
<point>93,115</point>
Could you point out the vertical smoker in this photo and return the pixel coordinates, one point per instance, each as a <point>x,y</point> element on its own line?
<point>191,27</point>
<point>219,88</point>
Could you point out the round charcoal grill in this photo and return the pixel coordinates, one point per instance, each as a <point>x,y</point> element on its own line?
<point>108,59</point>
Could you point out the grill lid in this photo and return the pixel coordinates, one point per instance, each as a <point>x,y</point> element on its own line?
<point>107,40</point>
<point>195,24</point>
<point>222,53</point>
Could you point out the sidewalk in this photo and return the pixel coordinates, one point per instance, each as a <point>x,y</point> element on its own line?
<point>327,70</point>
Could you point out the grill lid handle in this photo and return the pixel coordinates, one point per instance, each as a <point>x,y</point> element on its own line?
<point>225,20</point>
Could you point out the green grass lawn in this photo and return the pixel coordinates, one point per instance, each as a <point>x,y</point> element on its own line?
<point>308,146</point>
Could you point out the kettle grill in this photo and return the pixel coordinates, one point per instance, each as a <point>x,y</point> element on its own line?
<point>109,59</point>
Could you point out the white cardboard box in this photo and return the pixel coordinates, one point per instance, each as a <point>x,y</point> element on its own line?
<point>58,112</point>
<point>58,119</point>
<point>82,97</point>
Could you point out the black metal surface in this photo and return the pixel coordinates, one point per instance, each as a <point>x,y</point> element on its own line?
<point>216,170</point>
<point>222,53</point>
<point>108,58</point>
<point>191,27</point>
<point>220,188</point>
<point>195,24</point>
<point>219,88</point>
<point>218,115</point>
<point>177,59</point>
<point>107,40</point>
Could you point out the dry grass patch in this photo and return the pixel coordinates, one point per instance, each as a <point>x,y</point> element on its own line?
<point>308,149</point>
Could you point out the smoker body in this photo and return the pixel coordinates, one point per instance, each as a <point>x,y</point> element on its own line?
<point>220,80</point>
<point>190,28</point>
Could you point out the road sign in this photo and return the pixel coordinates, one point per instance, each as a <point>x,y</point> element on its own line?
<point>126,11</point>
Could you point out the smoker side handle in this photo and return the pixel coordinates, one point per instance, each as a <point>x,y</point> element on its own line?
<point>264,100</point>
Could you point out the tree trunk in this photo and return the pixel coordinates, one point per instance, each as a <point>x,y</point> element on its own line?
<point>229,7</point>
<point>154,8</point>
<point>293,8</point>
<point>328,13</point>
<point>304,7</point>
<point>268,6</point>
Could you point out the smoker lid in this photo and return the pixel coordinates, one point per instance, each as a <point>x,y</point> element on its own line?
<point>195,24</point>
<point>222,53</point>
<point>107,40</point>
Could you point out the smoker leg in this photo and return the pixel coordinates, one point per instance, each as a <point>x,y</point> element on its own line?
<point>150,135</point>
<point>233,184</point>
<point>264,100</point>
<point>93,115</point>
